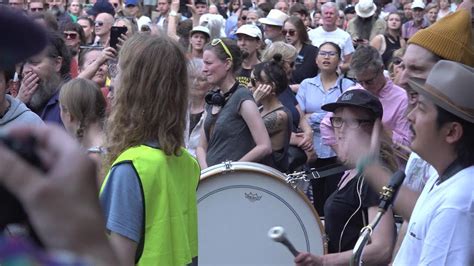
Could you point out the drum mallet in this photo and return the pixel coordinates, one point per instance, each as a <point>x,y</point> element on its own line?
<point>277,233</point>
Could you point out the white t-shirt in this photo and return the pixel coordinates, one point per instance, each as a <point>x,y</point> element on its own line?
<point>319,36</point>
<point>417,172</point>
<point>441,228</point>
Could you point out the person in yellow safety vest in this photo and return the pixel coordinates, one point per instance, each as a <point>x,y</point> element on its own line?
<point>149,194</point>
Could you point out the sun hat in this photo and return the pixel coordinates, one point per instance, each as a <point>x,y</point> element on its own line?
<point>449,86</point>
<point>365,8</point>
<point>274,18</point>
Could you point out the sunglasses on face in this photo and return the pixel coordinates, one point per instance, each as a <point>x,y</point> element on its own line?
<point>39,9</point>
<point>243,17</point>
<point>99,23</point>
<point>115,5</point>
<point>226,49</point>
<point>70,35</point>
<point>289,32</point>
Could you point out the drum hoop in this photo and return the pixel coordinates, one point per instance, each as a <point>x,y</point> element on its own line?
<point>213,171</point>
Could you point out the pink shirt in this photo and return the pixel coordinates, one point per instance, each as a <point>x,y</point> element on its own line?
<point>394,102</point>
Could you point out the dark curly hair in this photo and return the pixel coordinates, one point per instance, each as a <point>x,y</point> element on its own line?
<point>274,71</point>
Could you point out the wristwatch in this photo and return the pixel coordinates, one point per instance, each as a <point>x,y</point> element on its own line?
<point>173,13</point>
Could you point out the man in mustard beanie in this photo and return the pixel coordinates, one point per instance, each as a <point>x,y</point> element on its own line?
<point>450,38</point>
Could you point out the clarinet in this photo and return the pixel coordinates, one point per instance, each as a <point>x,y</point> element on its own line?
<point>387,196</point>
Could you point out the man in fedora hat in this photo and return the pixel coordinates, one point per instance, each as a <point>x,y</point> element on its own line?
<point>366,25</point>
<point>447,39</point>
<point>441,217</point>
<point>441,224</point>
<point>272,25</point>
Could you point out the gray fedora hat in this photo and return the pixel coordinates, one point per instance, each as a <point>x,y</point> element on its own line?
<point>450,86</point>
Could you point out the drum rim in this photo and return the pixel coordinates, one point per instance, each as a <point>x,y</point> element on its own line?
<point>213,171</point>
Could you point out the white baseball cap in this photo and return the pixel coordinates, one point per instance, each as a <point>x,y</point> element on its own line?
<point>202,29</point>
<point>417,4</point>
<point>250,30</point>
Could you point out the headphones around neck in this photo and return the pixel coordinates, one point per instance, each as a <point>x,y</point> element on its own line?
<point>216,98</point>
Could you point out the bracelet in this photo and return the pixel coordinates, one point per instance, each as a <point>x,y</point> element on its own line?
<point>364,162</point>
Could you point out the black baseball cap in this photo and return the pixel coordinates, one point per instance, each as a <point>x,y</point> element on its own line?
<point>357,98</point>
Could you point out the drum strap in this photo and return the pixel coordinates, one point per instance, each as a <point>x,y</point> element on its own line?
<point>324,173</point>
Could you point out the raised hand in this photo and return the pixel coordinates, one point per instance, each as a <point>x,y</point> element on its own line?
<point>29,85</point>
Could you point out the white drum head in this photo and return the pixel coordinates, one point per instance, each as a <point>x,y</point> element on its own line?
<point>237,207</point>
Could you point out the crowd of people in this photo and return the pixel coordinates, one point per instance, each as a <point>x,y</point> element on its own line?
<point>127,101</point>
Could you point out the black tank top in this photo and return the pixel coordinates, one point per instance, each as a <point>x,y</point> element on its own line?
<point>391,45</point>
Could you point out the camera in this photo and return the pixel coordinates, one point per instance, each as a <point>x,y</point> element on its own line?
<point>11,210</point>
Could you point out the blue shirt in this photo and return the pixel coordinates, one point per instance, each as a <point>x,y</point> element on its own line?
<point>122,202</point>
<point>51,112</point>
<point>311,96</point>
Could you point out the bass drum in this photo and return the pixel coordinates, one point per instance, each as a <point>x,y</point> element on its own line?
<point>239,202</point>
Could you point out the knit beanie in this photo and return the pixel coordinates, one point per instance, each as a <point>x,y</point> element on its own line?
<point>449,38</point>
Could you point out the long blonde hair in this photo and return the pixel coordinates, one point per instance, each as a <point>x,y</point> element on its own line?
<point>150,98</point>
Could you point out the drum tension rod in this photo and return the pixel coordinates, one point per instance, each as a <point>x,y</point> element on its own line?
<point>307,175</point>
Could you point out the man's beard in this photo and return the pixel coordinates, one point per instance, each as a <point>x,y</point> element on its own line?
<point>44,92</point>
<point>245,54</point>
<point>364,27</point>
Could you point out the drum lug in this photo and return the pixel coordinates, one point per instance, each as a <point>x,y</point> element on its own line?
<point>228,166</point>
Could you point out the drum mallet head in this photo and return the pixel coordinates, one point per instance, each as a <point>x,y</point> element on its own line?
<point>277,233</point>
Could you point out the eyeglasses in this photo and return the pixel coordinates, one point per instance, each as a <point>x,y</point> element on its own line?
<point>397,61</point>
<point>36,9</point>
<point>227,51</point>
<point>99,23</point>
<point>289,32</point>
<point>326,53</point>
<point>243,17</point>
<point>115,5</point>
<point>337,122</point>
<point>368,81</point>
<point>70,35</point>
